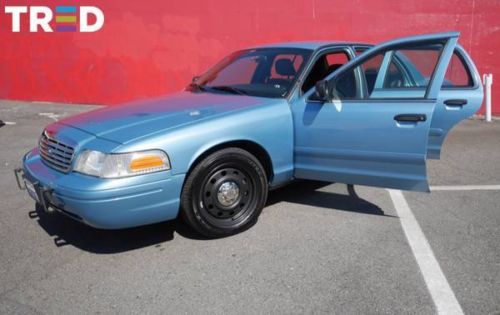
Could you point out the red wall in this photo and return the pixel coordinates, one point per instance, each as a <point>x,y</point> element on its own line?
<point>154,47</point>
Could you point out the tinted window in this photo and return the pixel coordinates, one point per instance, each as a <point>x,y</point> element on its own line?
<point>238,72</point>
<point>395,77</point>
<point>457,74</point>
<point>413,67</point>
<point>346,86</point>
<point>407,68</point>
<point>338,58</point>
<point>295,60</point>
<point>423,59</point>
<point>324,65</point>
<point>370,70</point>
<point>266,72</point>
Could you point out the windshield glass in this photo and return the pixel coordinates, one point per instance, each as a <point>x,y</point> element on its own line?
<point>265,72</point>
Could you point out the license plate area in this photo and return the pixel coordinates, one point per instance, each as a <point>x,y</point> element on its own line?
<point>35,190</point>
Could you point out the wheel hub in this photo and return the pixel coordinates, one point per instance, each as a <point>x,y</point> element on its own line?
<point>228,193</point>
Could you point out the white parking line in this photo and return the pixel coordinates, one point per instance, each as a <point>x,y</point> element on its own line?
<point>439,288</point>
<point>466,187</point>
<point>52,116</point>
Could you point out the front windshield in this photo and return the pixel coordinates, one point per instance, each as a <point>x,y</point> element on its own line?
<point>265,72</point>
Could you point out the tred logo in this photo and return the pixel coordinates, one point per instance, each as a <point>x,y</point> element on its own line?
<point>67,18</point>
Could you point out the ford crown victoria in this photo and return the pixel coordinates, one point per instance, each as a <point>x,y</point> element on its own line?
<point>331,111</point>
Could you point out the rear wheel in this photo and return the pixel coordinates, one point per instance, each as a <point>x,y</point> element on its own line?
<point>225,193</point>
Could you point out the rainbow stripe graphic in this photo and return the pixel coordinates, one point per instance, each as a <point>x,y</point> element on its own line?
<point>66,19</point>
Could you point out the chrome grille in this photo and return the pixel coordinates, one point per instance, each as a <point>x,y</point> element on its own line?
<point>55,153</point>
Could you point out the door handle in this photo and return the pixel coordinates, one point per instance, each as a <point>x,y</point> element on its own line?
<point>455,102</point>
<point>410,117</point>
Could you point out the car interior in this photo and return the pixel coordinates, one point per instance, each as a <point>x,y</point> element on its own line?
<point>319,71</point>
<point>286,71</point>
<point>327,64</point>
<point>346,84</point>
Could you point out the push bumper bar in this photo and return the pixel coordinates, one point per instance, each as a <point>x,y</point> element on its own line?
<point>35,190</point>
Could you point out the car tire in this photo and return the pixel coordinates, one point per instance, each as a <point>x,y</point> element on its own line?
<point>225,193</point>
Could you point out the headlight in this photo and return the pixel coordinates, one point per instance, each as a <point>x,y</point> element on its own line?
<point>104,165</point>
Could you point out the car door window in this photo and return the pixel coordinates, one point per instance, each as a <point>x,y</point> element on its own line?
<point>370,70</point>
<point>396,76</point>
<point>457,75</point>
<point>400,73</point>
<point>417,67</point>
<point>324,66</point>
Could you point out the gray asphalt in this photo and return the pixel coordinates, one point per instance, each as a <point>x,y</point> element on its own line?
<point>317,248</point>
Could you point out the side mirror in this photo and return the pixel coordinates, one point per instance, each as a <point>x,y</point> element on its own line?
<point>323,91</point>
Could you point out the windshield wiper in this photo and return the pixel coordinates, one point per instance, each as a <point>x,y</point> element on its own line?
<point>228,88</point>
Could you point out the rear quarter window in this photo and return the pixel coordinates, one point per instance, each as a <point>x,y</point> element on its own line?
<point>458,74</point>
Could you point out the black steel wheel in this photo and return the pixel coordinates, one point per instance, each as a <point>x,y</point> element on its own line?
<point>225,193</point>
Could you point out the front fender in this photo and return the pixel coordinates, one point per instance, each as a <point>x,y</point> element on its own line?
<point>269,126</point>
<point>222,142</point>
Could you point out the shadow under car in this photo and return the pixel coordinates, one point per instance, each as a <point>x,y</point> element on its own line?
<point>67,231</point>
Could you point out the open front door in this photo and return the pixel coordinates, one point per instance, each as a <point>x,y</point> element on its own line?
<point>374,130</point>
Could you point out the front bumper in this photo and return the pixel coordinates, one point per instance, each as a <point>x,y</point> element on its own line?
<point>105,203</point>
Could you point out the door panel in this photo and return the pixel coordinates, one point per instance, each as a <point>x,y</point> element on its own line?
<point>377,137</point>
<point>449,111</point>
<point>361,143</point>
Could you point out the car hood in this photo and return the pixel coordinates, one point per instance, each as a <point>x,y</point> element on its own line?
<point>130,121</point>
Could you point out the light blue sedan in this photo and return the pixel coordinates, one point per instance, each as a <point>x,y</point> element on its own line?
<point>332,111</point>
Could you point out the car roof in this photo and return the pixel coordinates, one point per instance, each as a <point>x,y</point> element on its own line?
<point>312,45</point>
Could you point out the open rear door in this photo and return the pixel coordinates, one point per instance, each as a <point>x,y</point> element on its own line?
<point>460,97</point>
